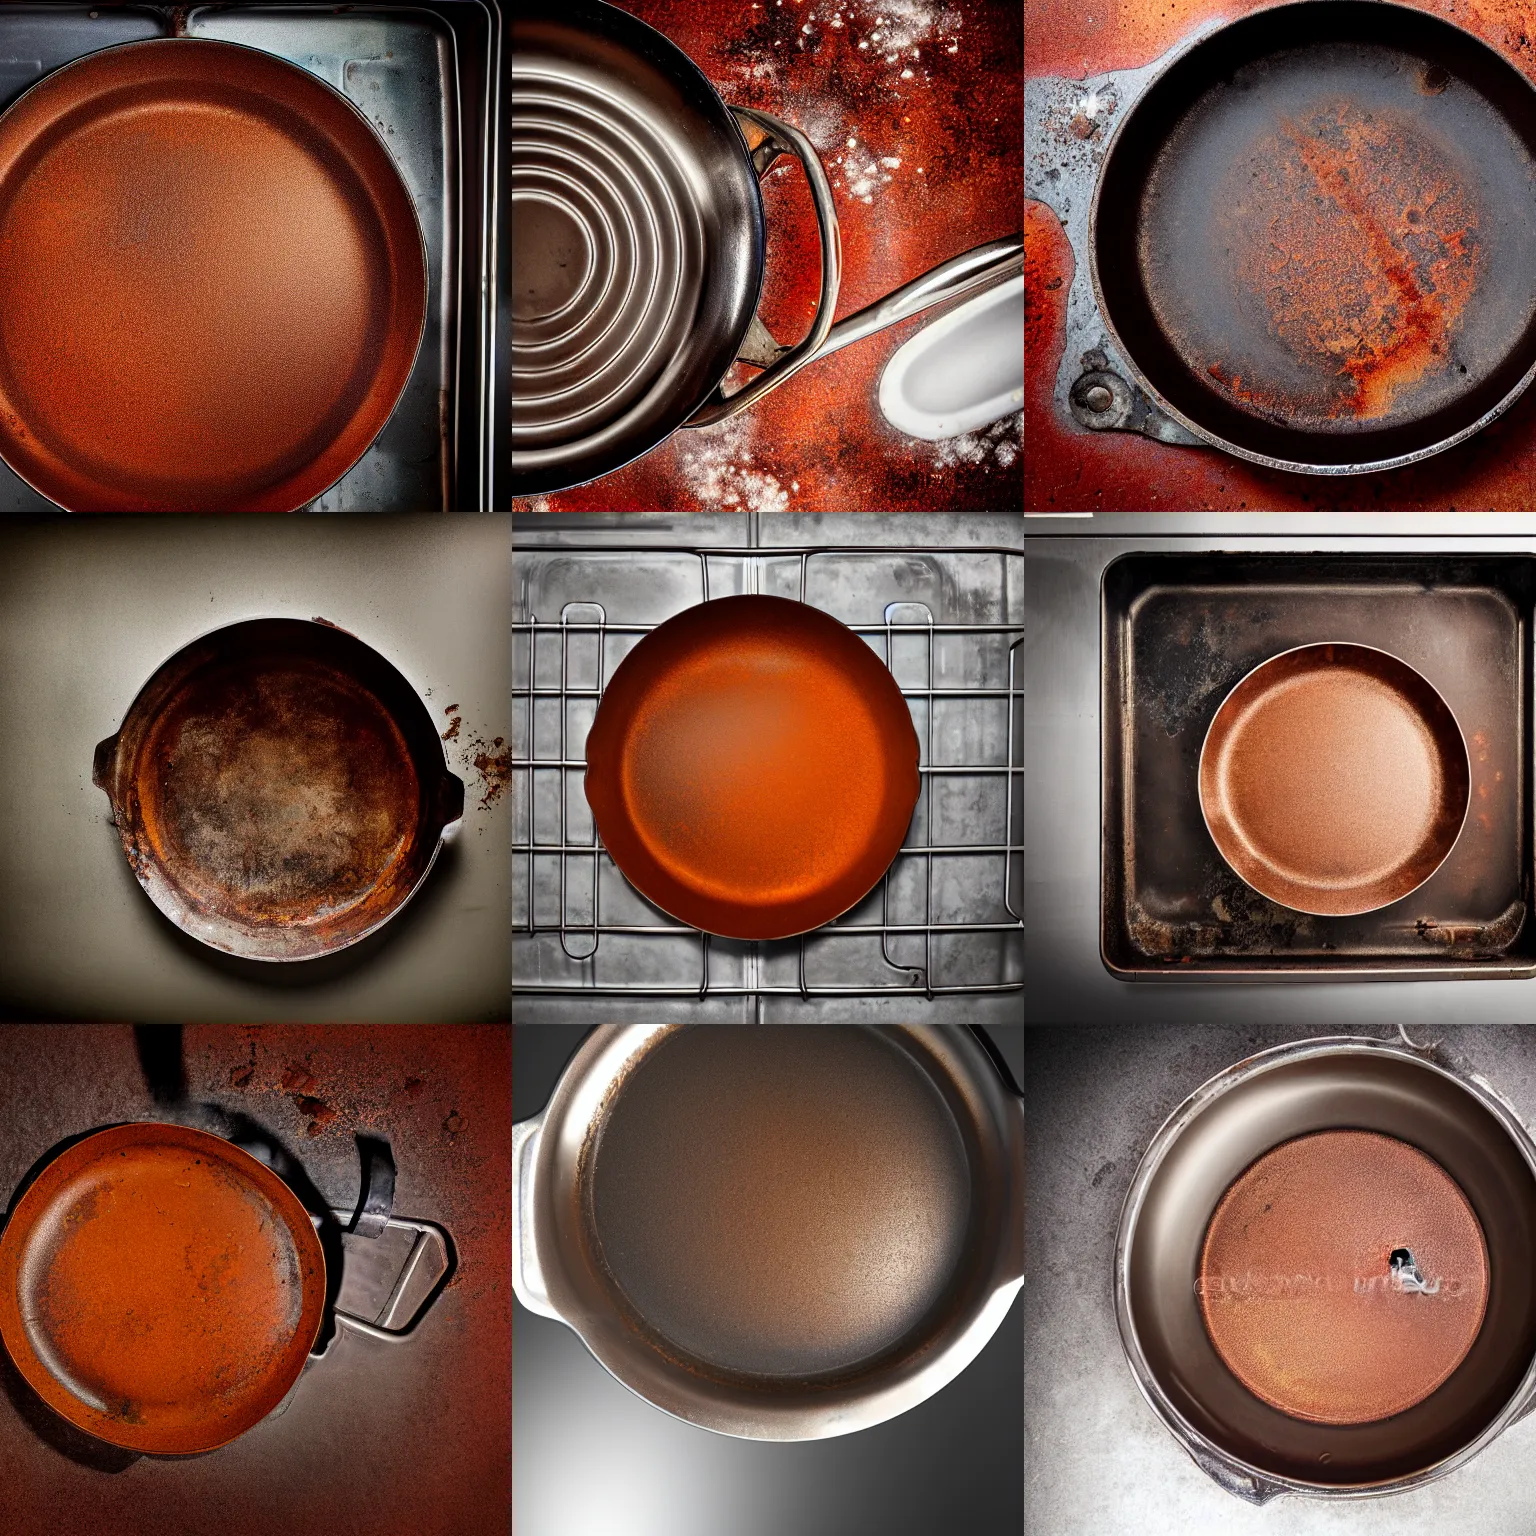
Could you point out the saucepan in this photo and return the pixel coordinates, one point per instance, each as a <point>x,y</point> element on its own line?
<point>162,1287</point>
<point>638,247</point>
<point>1313,239</point>
<point>1325,1275</point>
<point>775,1232</point>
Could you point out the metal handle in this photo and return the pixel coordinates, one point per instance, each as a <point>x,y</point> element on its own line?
<point>450,798</point>
<point>980,267</point>
<point>527,1277</point>
<point>776,360</point>
<point>1247,1486</point>
<point>429,1238</point>
<point>104,764</point>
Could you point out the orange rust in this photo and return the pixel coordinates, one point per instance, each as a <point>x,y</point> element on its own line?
<point>1296,1285</point>
<point>1362,242</point>
<point>159,1288</point>
<point>752,767</point>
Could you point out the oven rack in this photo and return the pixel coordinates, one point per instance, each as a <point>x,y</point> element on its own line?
<point>553,855</point>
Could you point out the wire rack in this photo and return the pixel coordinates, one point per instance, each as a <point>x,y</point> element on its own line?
<point>945,919</point>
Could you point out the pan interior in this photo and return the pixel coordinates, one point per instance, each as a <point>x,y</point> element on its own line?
<point>278,793</point>
<point>1343,1277</point>
<point>1368,1091</point>
<point>786,1202</point>
<point>1315,234</point>
<point>1334,779</point>
<point>638,241</point>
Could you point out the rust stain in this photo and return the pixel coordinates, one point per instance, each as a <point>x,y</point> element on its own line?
<point>455,721</point>
<point>1363,244</point>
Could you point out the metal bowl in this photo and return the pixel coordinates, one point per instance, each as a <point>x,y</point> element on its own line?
<point>1248,1447</point>
<point>777,1233</point>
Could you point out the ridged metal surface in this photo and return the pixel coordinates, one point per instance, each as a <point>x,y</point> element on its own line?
<point>636,243</point>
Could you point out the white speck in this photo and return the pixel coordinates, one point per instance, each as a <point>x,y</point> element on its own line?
<point>875,36</point>
<point>863,45</point>
<point>953,48</point>
<point>794,485</point>
<point>837,22</point>
<point>868,199</point>
<point>906,74</point>
<point>891,162</point>
<point>1091,105</point>
<point>919,170</point>
<point>806,27</point>
<point>852,142</point>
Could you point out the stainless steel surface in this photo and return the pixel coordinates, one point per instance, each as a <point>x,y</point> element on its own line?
<point>1065,978</point>
<point>1254,1450</point>
<point>1099,1460</point>
<point>940,939</point>
<point>556,1276</point>
<point>426,77</point>
<point>89,608</point>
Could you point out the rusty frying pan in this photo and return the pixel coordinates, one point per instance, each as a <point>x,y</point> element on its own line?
<point>1314,236</point>
<point>752,768</point>
<point>215,282</point>
<point>160,1288</point>
<point>1334,779</point>
<point>279,788</point>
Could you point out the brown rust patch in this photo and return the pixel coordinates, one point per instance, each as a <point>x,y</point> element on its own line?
<point>1358,234</point>
<point>279,798</point>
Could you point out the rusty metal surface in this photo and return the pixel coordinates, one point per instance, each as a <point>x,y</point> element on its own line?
<point>160,1288</point>
<point>1334,779</point>
<point>279,789</point>
<point>243,284</point>
<point>915,112</point>
<point>1180,632</point>
<point>378,1439</point>
<point>1086,70</point>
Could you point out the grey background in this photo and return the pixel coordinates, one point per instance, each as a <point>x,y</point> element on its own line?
<point>1098,1460</point>
<point>1064,977</point>
<point>591,1459</point>
<point>89,608</point>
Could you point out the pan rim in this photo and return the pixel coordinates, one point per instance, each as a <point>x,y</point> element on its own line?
<point>1207,435</point>
<point>1333,645</point>
<point>22,1224</point>
<point>388,158</point>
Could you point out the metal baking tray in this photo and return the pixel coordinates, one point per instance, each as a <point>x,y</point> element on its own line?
<point>427,77</point>
<point>1179,630</point>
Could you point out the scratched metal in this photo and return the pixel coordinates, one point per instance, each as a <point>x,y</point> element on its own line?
<point>425,80</point>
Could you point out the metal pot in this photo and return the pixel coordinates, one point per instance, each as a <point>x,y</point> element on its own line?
<point>639,244</point>
<point>660,1210</point>
<point>1249,1447</point>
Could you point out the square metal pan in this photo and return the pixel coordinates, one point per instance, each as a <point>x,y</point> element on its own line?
<point>1180,630</point>
<point>426,76</point>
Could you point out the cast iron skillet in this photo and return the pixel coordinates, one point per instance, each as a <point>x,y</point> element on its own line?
<point>279,789</point>
<point>1314,236</point>
<point>638,243</point>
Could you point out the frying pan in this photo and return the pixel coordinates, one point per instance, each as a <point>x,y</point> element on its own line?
<point>279,789</point>
<point>215,282</point>
<point>671,1205</point>
<point>1313,237</point>
<point>752,768</point>
<point>1334,779</point>
<point>638,243</point>
<point>162,1289</point>
<point>1250,1448</point>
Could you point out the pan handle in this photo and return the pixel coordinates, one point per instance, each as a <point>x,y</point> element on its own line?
<point>450,798</point>
<point>104,764</point>
<point>527,1277</point>
<point>431,1245</point>
<point>775,359</point>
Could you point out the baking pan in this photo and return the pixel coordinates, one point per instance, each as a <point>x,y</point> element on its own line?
<point>1294,1091</point>
<point>1180,632</point>
<point>426,80</point>
<point>1334,779</point>
<point>775,1232</point>
<point>1312,237</point>
<point>752,767</point>
<point>279,788</point>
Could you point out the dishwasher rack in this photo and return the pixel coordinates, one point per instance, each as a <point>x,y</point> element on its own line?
<point>945,919</point>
